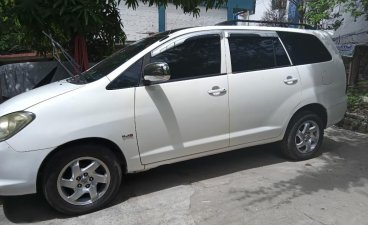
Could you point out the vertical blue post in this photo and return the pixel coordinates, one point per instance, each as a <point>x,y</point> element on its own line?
<point>293,14</point>
<point>161,18</point>
<point>230,10</point>
<point>240,5</point>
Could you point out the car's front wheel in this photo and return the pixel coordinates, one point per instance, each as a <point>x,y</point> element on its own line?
<point>303,137</point>
<point>81,179</point>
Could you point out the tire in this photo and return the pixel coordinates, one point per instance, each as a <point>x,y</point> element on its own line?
<point>92,183</point>
<point>303,137</point>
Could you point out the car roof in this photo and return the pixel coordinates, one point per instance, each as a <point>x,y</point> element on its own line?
<point>239,28</point>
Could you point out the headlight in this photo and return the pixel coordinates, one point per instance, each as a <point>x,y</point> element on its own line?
<point>14,122</point>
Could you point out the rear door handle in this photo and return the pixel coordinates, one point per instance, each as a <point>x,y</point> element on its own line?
<point>216,90</point>
<point>290,80</point>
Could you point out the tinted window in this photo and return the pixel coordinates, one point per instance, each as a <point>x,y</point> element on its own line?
<point>304,48</point>
<point>197,56</point>
<point>253,52</point>
<point>280,54</point>
<point>129,78</point>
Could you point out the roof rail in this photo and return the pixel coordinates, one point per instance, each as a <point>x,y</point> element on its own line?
<point>276,24</point>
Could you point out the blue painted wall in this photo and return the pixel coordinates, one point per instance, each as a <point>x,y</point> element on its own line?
<point>238,4</point>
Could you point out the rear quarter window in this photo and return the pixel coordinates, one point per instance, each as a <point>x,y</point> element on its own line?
<point>250,52</point>
<point>304,48</point>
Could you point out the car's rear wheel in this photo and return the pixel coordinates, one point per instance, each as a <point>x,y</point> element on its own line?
<point>303,137</point>
<point>81,179</point>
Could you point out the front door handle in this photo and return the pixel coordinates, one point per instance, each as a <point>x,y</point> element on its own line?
<point>290,80</point>
<point>216,90</point>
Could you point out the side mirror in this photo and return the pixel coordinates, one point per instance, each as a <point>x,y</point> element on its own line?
<point>157,71</point>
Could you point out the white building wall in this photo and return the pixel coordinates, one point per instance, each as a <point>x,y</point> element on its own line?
<point>143,21</point>
<point>261,7</point>
<point>140,22</point>
<point>175,18</point>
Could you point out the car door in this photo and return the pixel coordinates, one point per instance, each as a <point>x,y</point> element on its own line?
<point>189,113</point>
<point>264,86</point>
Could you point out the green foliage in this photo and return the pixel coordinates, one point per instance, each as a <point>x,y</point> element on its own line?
<point>356,8</point>
<point>354,101</point>
<point>317,11</point>
<point>97,20</point>
<point>355,98</point>
<point>188,6</point>
<point>11,32</point>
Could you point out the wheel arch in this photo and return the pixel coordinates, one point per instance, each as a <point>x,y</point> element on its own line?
<point>316,108</point>
<point>94,140</point>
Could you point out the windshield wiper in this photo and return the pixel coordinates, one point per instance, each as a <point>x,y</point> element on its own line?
<point>77,79</point>
<point>57,51</point>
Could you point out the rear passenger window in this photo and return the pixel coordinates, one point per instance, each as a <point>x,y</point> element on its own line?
<point>253,52</point>
<point>304,48</point>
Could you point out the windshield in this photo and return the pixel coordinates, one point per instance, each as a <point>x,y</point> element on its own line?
<point>112,62</point>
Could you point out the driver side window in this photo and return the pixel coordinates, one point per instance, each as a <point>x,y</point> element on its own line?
<point>195,57</point>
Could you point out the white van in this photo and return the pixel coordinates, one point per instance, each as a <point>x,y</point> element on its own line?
<point>174,96</point>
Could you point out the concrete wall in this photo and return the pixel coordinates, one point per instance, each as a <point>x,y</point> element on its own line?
<point>144,20</point>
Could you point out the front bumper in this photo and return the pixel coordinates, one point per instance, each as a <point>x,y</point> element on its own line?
<point>18,170</point>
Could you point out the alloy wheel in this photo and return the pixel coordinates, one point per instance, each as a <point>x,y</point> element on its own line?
<point>83,181</point>
<point>307,136</point>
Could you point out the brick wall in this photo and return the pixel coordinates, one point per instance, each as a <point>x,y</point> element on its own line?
<point>144,20</point>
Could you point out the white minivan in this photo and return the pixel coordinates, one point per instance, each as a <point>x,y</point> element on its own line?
<point>173,96</point>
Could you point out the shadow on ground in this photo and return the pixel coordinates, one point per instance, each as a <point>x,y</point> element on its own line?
<point>344,154</point>
<point>342,167</point>
<point>34,208</point>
